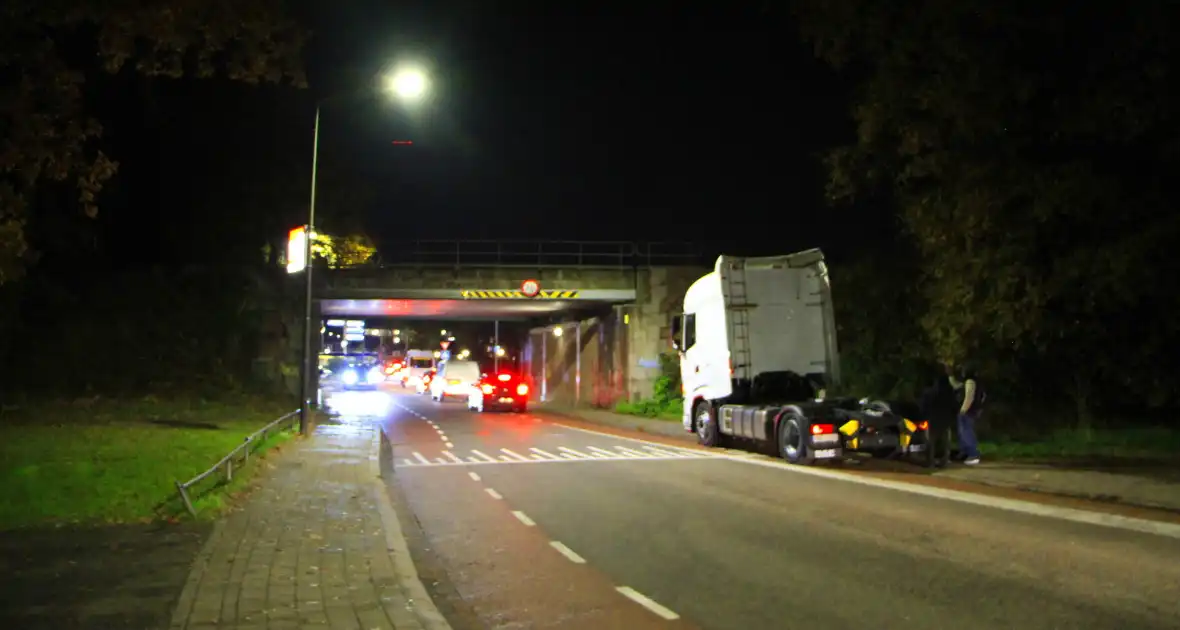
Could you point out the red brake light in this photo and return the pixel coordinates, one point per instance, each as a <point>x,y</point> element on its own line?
<point>522,390</point>
<point>487,389</point>
<point>821,429</point>
<point>504,378</point>
<point>923,425</point>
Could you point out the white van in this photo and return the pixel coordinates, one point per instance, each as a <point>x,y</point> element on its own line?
<point>419,363</point>
<point>455,378</point>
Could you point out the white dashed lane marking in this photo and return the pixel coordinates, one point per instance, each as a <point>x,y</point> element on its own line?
<point>562,454</point>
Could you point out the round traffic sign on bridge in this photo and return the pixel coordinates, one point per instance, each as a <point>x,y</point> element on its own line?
<point>530,288</point>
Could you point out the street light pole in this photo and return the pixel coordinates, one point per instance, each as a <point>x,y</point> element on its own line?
<point>496,347</point>
<point>407,83</point>
<point>306,371</point>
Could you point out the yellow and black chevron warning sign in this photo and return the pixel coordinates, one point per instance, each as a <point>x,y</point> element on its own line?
<point>547,294</point>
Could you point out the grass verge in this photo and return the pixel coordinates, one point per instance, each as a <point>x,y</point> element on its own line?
<point>100,460</point>
<point>670,411</point>
<point>1130,443</point>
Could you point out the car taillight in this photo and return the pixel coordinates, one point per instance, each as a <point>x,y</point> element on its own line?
<point>504,378</point>
<point>821,429</point>
<point>487,389</point>
<point>923,425</point>
<point>522,390</point>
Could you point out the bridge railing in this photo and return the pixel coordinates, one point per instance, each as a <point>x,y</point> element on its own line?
<point>543,253</point>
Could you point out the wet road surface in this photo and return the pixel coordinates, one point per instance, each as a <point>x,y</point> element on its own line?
<point>539,525</point>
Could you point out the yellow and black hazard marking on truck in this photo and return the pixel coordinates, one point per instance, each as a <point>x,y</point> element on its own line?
<point>546,294</point>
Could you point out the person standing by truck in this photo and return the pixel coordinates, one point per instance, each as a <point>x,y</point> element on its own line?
<point>970,409</point>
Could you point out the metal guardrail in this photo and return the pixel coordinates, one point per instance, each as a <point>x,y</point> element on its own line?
<point>542,253</point>
<point>227,462</point>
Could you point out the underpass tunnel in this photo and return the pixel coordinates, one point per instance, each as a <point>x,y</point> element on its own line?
<point>571,347</point>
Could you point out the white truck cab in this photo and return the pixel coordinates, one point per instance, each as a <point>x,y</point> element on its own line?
<point>757,347</point>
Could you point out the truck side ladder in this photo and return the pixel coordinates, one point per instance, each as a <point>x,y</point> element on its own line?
<point>739,308</point>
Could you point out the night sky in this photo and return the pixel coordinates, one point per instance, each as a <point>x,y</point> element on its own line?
<point>659,122</point>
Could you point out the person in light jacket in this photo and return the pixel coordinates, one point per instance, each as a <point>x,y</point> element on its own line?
<point>972,397</point>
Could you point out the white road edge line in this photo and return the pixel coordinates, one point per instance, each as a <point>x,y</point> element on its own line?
<point>524,518</point>
<point>395,543</point>
<point>1101,519</point>
<point>1075,515</point>
<point>569,554</point>
<point>492,493</point>
<point>647,602</point>
<point>474,476</point>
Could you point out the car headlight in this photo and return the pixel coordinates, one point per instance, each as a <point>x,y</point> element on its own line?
<point>350,377</point>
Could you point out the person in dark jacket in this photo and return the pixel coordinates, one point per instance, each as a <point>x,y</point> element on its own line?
<point>940,407</point>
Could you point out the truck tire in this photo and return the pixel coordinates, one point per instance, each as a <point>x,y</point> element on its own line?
<point>705,423</point>
<point>791,443</point>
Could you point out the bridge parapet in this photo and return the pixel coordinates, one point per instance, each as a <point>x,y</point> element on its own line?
<point>544,254</point>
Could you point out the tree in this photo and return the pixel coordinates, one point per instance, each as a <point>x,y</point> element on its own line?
<point>342,251</point>
<point>48,136</point>
<point>1004,132</point>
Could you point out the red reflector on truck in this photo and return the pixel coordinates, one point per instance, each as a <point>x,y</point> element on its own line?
<point>820,429</point>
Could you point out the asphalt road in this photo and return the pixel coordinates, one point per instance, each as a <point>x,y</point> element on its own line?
<point>542,526</point>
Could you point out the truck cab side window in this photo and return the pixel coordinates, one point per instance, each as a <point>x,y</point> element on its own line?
<point>690,330</point>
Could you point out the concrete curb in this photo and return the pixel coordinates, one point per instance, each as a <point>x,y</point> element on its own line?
<point>621,421</point>
<point>184,604</point>
<point>415,591</point>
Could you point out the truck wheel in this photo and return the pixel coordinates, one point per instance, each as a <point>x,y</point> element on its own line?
<point>706,424</point>
<point>790,442</point>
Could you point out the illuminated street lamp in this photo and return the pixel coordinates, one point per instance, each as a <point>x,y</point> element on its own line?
<point>407,84</point>
<point>557,331</point>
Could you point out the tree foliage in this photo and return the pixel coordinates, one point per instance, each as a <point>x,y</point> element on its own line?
<point>48,50</point>
<point>342,251</point>
<point>1028,148</point>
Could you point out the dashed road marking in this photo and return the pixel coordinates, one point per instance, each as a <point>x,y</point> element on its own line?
<point>647,602</point>
<point>562,454</point>
<point>523,518</point>
<point>567,552</point>
<point>474,477</point>
<point>492,493</point>
<point>481,455</point>
<point>514,455</point>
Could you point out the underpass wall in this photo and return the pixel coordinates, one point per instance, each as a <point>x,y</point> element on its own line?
<point>660,294</point>
<point>582,366</point>
<point>613,357</point>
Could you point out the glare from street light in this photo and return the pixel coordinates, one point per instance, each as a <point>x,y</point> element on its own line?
<point>408,83</point>
<point>557,331</point>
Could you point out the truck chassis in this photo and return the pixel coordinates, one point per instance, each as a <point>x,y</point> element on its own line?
<point>804,433</point>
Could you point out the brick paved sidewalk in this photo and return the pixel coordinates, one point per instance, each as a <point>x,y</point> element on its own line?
<point>317,545</point>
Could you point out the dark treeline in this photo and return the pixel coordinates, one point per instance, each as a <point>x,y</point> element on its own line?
<point>1027,150</point>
